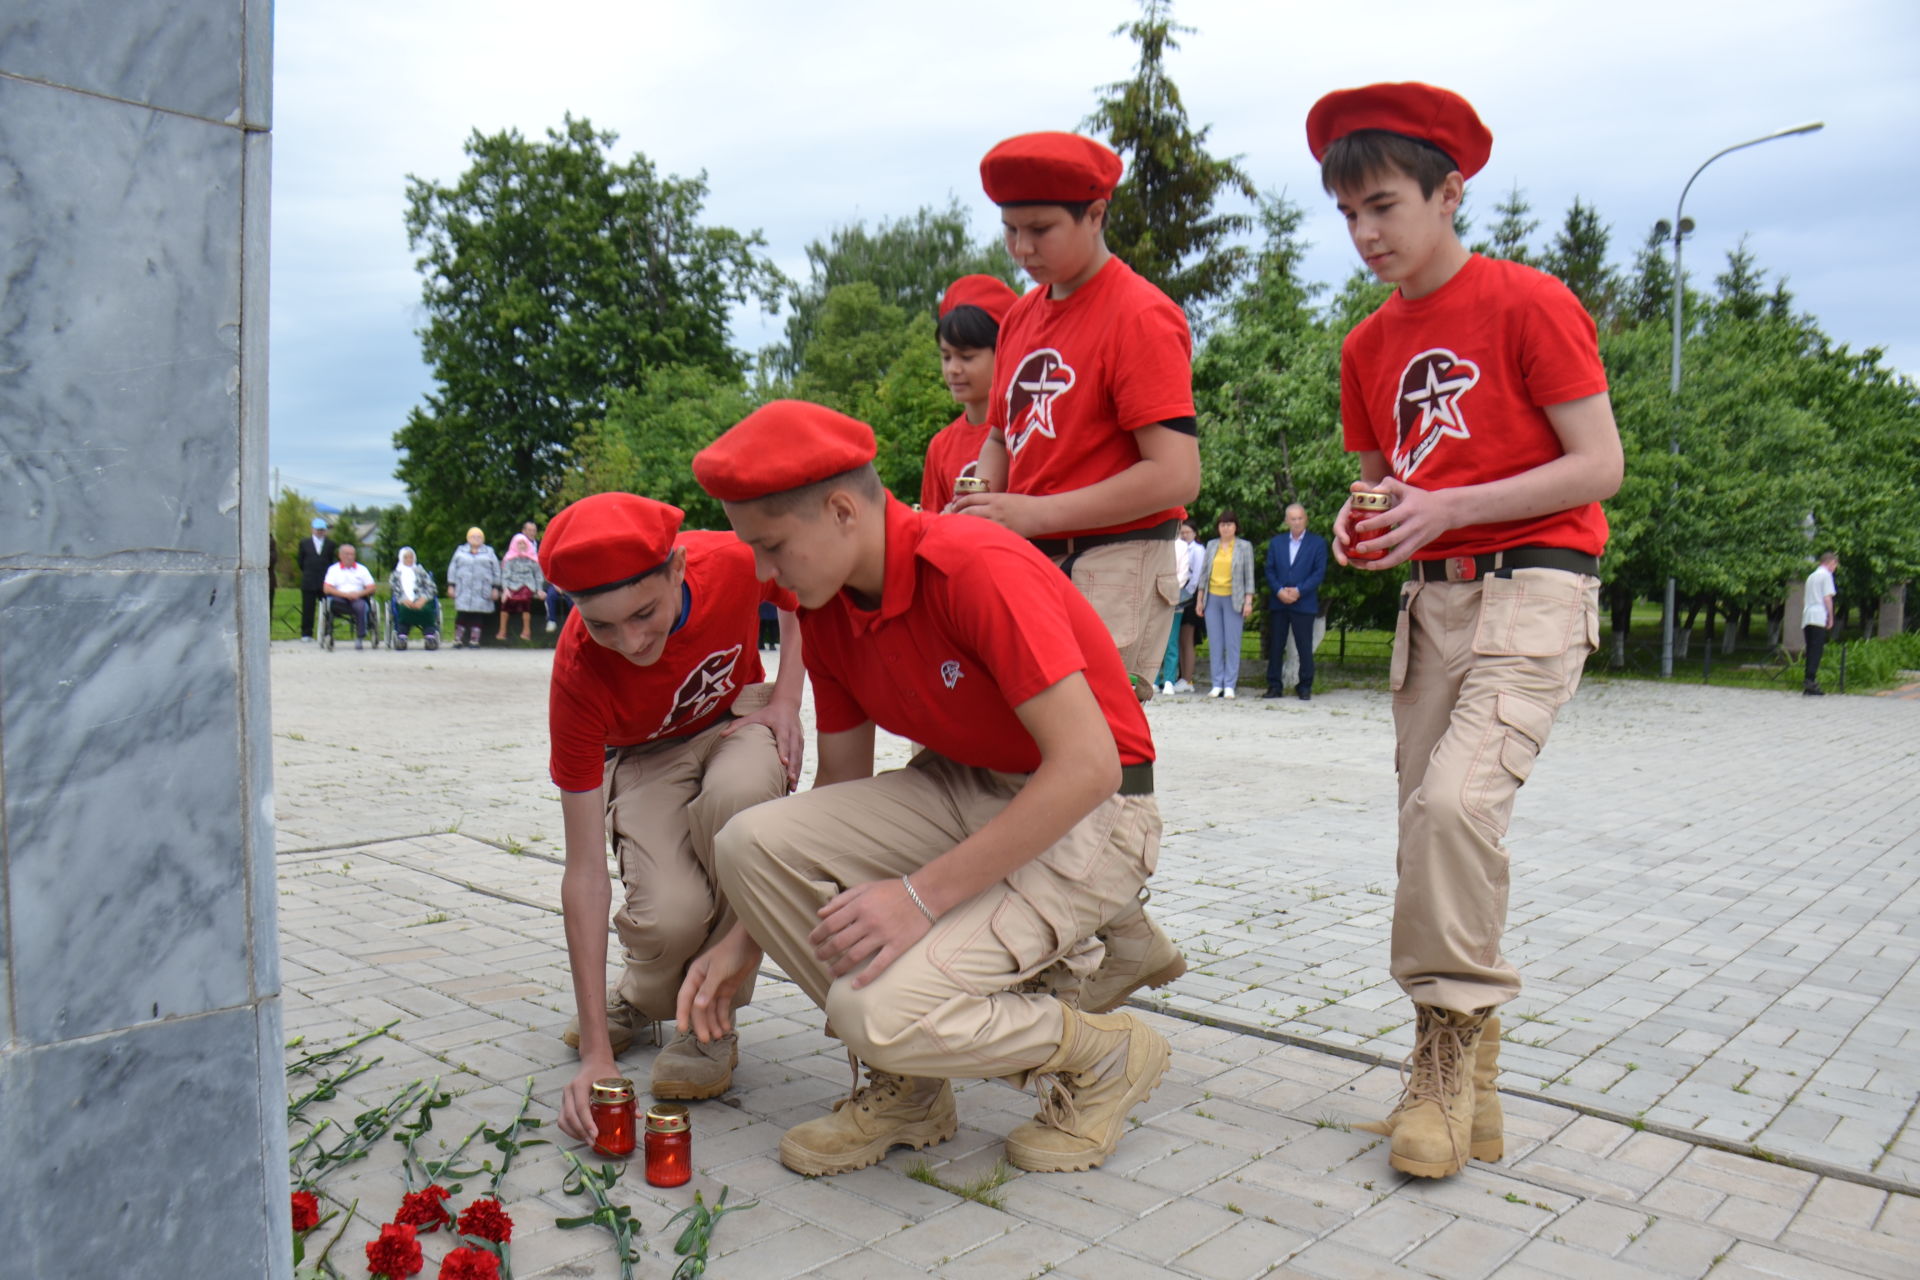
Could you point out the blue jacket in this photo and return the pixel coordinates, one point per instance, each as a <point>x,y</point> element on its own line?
<point>1307,571</point>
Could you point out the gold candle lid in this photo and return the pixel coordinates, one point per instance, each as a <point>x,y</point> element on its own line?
<point>1371,501</point>
<point>969,484</point>
<point>613,1089</point>
<point>668,1117</point>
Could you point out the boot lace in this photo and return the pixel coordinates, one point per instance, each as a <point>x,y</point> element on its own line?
<point>1438,1067</point>
<point>881,1086</point>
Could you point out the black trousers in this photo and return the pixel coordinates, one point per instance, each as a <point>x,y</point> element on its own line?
<point>1300,623</point>
<point>1816,645</point>
<point>309,606</point>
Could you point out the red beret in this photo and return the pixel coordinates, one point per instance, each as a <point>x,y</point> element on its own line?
<point>989,293</point>
<point>1414,110</point>
<point>1049,168</point>
<point>782,445</point>
<point>607,538</point>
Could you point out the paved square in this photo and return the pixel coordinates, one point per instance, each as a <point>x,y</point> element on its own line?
<point>1714,908</point>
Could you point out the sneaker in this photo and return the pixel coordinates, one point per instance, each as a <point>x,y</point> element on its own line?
<point>1183,686</point>
<point>400,643</point>
<point>1215,692</point>
<point>1167,687</point>
<point>1227,694</point>
<point>552,627</point>
<point>624,1024</point>
<point>689,1070</point>
<point>888,1111</point>
<point>358,643</point>
<point>432,643</point>
<point>306,639</point>
<point>1107,1064</point>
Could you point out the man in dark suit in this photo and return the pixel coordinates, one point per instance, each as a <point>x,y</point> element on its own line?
<point>1296,564</point>
<point>318,553</point>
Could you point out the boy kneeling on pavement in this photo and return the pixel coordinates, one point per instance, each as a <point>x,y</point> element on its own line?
<point>914,905</point>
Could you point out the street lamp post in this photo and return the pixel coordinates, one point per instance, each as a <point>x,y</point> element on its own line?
<point>1681,225</point>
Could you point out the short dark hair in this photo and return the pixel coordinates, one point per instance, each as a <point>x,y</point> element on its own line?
<point>863,480</point>
<point>587,593</point>
<point>969,326</point>
<point>1829,555</point>
<point>1227,517</point>
<point>1076,209</point>
<point>1369,153</point>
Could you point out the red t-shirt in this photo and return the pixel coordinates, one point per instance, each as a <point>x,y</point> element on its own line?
<point>1453,389</point>
<point>1074,378</point>
<point>972,622</point>
<point>953,452</point>
<point>597,699</point>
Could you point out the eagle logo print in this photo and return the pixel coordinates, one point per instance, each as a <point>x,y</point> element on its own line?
<point>702,690</point>
<point>1042,378</point>
<point>950,672</point>
<point>1429,405</point>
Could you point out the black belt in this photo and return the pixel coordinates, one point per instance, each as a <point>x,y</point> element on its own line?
<point>1165,531</point>
<point>1501,564</point>
<point>1136,779</point>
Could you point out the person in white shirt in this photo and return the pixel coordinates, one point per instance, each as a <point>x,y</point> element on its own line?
<point>1176,671</point>
<point>1816,618</point>
<point>350,585</point>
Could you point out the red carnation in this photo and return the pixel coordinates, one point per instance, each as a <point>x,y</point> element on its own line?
<point>470,1264</point>
<point>396,1254</point>
<point>306,1211</point>
<point>426,1210</point>
<point>486,1220</point>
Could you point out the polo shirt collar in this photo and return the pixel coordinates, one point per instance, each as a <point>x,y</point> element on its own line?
<point>904,529</point>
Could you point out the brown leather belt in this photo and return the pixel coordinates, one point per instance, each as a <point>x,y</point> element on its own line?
<point>1501,564</point>
<point>1136,779</point>
<point>1165,531</point>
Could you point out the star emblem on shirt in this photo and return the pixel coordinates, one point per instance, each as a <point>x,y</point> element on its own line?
<point>1429,409</point>
<point>1043,377</point>
<point>704,687</point>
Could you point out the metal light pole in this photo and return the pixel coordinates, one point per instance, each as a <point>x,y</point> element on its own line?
<point>1680,228</point>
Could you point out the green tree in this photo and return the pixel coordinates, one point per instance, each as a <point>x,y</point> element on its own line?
<point>1162,220</point>
<point>645,441</point>
<point>1508,238</point>
<point>292,520</point>
<point>1578,256</point>
<point>1648,294</point>
<point>909,262</point>
<point>554,275</point>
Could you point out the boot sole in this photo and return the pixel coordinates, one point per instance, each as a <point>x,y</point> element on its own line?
<point>914,1137</point>
<point>1427,1168</point>
<point>1158,979</point>
<point>1059,1162</point>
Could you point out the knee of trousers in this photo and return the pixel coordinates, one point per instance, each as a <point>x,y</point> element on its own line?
<point>877,1029</point>
<point>745,851</point>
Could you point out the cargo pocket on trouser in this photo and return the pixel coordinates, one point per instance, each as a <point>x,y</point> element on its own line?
<point>1536,613</point>
<point>1402,637</point>
<point>1522,726</point>
<point>1030,932</point>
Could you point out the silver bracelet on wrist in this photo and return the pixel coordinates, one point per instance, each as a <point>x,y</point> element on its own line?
<point>914,894</point>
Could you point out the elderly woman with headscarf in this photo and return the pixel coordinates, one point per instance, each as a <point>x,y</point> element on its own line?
<point>521,585</point>
<point>415,601</point>
<point>473,580</point>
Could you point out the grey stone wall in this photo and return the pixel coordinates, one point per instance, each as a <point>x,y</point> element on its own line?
<point>141,1091</point>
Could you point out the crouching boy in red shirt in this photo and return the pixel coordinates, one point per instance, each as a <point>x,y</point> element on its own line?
<point>912,906</point>
<point>1475,397</point>
<point>661,732</point>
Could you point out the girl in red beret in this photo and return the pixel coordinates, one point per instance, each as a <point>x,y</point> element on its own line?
<point>970,316</point>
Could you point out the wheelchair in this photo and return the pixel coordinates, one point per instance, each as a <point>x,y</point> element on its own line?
<point>397,634</point>
<point>333,609</point>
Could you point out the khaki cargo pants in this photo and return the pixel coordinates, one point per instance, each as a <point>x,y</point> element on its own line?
<point>1480,669</point>
<point>948,1007</point>
<point>1134,588</point>
<point>666,801</point>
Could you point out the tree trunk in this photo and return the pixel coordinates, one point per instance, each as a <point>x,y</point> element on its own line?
<point>1622,610</point>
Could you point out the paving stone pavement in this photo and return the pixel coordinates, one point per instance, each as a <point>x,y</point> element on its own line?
<point>1713,905</point>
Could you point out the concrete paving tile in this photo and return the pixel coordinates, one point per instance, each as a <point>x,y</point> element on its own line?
<point>1247,1249</point>
<point>1027,1250</point>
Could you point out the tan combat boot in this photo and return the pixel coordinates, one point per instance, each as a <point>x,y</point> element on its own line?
<point>1107,1064</point>
<point>689,1070</point>
<point>888,1111</point>
<point>1139,954</point>
<point>624,1025</point>
<point>1488,1141</point>
<point>1432,1125</point>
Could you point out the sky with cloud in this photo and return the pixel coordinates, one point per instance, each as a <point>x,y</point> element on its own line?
<point>805,117</point>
